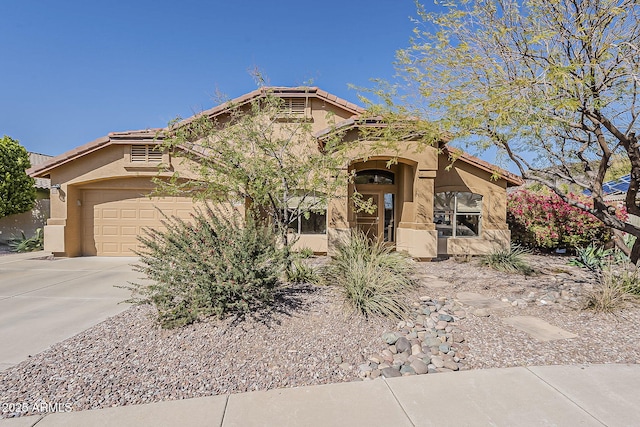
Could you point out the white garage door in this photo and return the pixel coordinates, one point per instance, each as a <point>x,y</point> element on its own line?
<point>113,219</point>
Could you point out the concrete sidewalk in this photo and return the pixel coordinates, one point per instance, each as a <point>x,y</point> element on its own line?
<point>594,395</point>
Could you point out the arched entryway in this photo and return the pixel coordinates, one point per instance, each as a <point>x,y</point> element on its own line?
<point>378,189</point>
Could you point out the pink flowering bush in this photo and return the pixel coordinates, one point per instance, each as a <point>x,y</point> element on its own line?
<point>545,221</point>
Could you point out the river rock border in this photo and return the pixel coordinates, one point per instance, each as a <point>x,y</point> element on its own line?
<point>429,341</point>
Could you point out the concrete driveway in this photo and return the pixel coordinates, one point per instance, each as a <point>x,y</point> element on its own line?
<point>44,301</point>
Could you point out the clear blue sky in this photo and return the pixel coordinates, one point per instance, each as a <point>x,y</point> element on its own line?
<point>74,70</point>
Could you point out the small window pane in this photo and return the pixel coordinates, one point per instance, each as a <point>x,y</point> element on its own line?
<point>316,224</point>
<point>444,201</point>
<point>444,225</point>
<point>467,225</point>
<point>469,202</point>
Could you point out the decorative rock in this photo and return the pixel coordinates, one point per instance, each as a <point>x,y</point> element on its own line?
<point>365,367</point>
<point>460,314</point>
<point>481,312</point>
<point>416,349</point>
<point>437,361</point>
<point>344,366</point>
<point>391,373</point>
<point>419,367</point>
<point>445,317</point>
<point>402,345</point>
<point>432,342</point>
<point>444,348</point>
<point>401,357</point>
<point>450,364</point>
<point>390,338</point>
<point>337,360</point>
<point>376,358</point>
<point>407,369</point>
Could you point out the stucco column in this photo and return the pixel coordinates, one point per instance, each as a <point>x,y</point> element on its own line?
<point>338,213</point>
<point>417,234</point>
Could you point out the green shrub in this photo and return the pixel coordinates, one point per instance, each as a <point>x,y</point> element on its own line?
<point>305,253</point>
<point>372,279</point>
<point>214,265</point>
<point>508,260</point>
<point>299,272</point>
<point>24,244</point>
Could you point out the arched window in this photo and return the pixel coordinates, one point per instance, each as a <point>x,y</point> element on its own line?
<point>374,177</point>
<point>457,214</point>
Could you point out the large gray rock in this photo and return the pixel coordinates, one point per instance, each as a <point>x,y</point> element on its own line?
<point>419,367</point>
<point>402,345</point>
<point>391,373</point>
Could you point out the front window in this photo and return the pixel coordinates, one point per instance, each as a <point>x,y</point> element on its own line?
<point>457,214</point>
<point>314,222</point>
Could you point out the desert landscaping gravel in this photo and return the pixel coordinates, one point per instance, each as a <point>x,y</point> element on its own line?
<point>311,338</point>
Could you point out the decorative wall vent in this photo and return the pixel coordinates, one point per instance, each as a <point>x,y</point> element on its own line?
<point>145,154</point>
<point>294,106</point>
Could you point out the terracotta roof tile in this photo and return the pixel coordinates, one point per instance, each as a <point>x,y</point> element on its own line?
<point>512,179</point>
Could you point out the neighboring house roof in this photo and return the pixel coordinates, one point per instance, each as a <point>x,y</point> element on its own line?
<point>617,186</point>
<point>38,159</point>
<point>152,135</point>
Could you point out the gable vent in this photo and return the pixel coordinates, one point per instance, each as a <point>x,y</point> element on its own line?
<point>294,106</point>
<point>145,154</point>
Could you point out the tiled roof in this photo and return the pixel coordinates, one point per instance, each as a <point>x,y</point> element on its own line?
<point>149,135</point>
<point>293,92</point>
<point>455,153</point>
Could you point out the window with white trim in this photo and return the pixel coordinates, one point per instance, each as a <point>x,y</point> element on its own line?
<point>457,214</point>
<point>145,153</point>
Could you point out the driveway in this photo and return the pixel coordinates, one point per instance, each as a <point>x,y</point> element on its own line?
<point>45,301</point>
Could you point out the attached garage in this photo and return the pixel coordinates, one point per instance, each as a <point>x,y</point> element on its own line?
<point>112,220</point>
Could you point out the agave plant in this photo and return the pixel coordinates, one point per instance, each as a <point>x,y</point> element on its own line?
<point>24,244</point>
<point>592,257</point>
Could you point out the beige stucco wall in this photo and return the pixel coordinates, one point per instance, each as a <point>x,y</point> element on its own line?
<point>467,178</point>
<point>107,168</point>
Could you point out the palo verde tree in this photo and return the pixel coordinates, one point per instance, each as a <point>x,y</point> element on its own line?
<point>17,191</point>
<point>259,153</point>
<point>553,84</point>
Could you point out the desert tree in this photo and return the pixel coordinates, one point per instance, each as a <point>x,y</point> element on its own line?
<point>553,84</point>
<point>259,154</point>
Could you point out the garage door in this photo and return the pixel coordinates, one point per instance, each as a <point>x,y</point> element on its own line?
<point>113,219</point>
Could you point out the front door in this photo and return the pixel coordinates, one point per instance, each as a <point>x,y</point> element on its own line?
<point>380,223</point>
